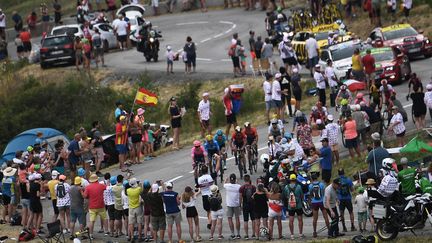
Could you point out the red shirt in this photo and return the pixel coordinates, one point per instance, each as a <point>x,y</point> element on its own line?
<point>25,36</point>
<point>369,63</point>
<point>238,137</point>
<point>251,133</point>
<point>121,139</point>
<point>94,193</point>
<point>228,105</point>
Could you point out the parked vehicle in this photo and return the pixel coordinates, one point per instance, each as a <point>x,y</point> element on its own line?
<point>57,49</point>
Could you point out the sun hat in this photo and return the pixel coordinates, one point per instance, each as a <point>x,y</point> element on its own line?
<point>370,181</point>
<point>54,174</point>
<point>9,171</point>
<point>214,189</point>
<point>122,118</point>
<point>133,182</point>
<point>77,180</point>
<point>93,178</point>
<point>140,111</point>
<point>205,94</point>
<point>154,187</point>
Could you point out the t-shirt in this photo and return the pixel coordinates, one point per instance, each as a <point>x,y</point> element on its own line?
<point>344,191</point>
<point>8,186</point>
<point>407,179</point>
<point>400,127</point>
<point>379,153</point>
<point>134,196</point>
<point>34,188</point>
<point>64,201</point>
<point>425,185</point>
<point>94,193</point>
<point>247,190</point>
<point>25,36</point>
<point>155,201</point>
<point>170,200</point>
<point>117,191</point>
<point>296,189</point>
<point>369,63</point>
<point>204,110</point>
<point>2,20</point>
<point>330,194</point>
<point>320,81</point>
<point>77,200</point>
<point>108,196</point>
<point>267,87</point>
<point>350,129</point>
<point>320,192</point>
<point>73,147</point>
<point>267,51</point>
<point>121,139</point>
<point>97,40</point>
<point>121,27</point>
<point>232,194</point>
<point>329,73</point>
<point>360,200</point>
<point>205,181</point>
<point>276,91</point>
<point>326,161</point>
<point>24,193</point>
<point>311,47</point>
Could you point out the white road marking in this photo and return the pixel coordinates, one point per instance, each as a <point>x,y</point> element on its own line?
<point>175,178</point>
<point>226,60</point>
<point>203,59</point>
<point>218,35</point>
<point>205,40</point>
<point>226,22</point>
<point>405,106</point>
<point>197,22</point>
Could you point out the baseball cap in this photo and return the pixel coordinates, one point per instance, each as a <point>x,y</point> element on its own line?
<point>122,118</point>
<point>317,66</point>
<point>330,117</point>
<point>54,174</point>
<point>205,94</point>
<point>278,75</point>
<point>214,189</point>
<point>62,177</point>
<point>133,182</point>
<point>154,188</point>
<point>341,171</point>
<point>404,161</point>
<point>293,177</point>
<point>429,87</point>
<point>146,184</point>
<point>376,136</point>
<point>168,185</point>
<point>81,172</point>
<point>113,180</point>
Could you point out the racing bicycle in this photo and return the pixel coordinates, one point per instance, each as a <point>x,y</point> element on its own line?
<point>252,153</point>
<point>215,168</point>
<point>241,159</point>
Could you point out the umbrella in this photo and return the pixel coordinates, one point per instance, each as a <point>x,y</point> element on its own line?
<point>354,85</point>
<point>416,146</point>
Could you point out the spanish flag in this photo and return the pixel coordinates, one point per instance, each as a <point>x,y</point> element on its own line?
<point>145,97</point>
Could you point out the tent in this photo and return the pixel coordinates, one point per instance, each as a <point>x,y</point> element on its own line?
<point>26,138</point>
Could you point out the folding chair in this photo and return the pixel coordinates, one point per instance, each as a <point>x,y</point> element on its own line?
<point>55,233</point>
<point>256,67</point>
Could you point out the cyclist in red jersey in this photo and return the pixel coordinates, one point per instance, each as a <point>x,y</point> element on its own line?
<point>251,139</point>
<point>387,91</point>
<point>238,141</point>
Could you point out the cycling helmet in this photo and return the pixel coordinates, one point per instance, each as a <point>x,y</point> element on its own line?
<point>384,81</point>
<point>246,124</point>
<point>81,172</point>
<point>344,102</point>
<point>219,132</point>
<point>274,121</point>
<point>146,184</point>
<point>343,87</point>
<point>280,16</point>
<point>359,95</point>
<point>113,180</point>
<point>29,148</point>
<point>387,163</point>
<point>238,129</point>
<point>209,138</point>
<point>264,158</point>
<point>314,108</point>
<point>288,135</point>
<point>197,143</point>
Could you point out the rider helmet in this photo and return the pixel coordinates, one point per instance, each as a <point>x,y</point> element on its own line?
<point>429,87</point>
<point>314,108</point>
<point>384,81</point>
<point>219,132</point>
<point>264,158</point>
<point>238,129</point>
<point>387,163</point>
<point>247,124</point>
<point>209,138</point>
<point>359,95</point>
<point>113,180</point>
<point>280,16</point>
<point>274,121</point>
<point>197,143</point>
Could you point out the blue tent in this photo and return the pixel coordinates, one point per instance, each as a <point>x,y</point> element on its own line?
<point>26,138</point>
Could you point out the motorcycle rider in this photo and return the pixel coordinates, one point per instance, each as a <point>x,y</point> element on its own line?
<point>389,183</point>
<point>295,151</point>
<point>407,177</point>
<point>199,155</point>
<point>345,199</point>
<point>344,93</point>
<point>275,129</point>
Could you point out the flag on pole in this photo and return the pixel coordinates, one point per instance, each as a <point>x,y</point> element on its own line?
<point>416,146</point>
<point>145,97</point>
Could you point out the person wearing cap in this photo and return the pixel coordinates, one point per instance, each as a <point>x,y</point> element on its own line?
<point>75,154</point>
<point>154,200</point>
<point>312,49</point>
<point>135,209</point>
<point>76,205</point>
<point>94,193</point>
<point>122,32</point>
<point>330,204</point>
<point>8,185</point>
<point>217,212</point>
<point>176,117</point>
<point>35,190</point>
<point>96,135</point>
<point>51,187</point>
<point>213,151</point>
<point>204,183</point>
<point>397,126</point>
<point>247,191</point>
<point>121,140</point>
<point>232,189</point>
<point>62,190</point>
<point>275,129</point>
<point>344,194</point>
<point>320,84</point>
<point>109,201</point>
<point>407,178</point>
<point>376,155</point>
<point>173,214</point>
<point>360,201</point>
<point>117,190</point>
<point>276,94</point>
<point>326,164</point>
<point>267,88</point>
<point>419,107</point>
<point>332,80</point>
<point>331,132</point>
<point>292,194</point>
<point>119,111</point>
<point>316,192</point>
<point>204,114</point>
<point>362,124</point>
<point>428,99</point>
<point>170,56</point>
<point>251,140</point>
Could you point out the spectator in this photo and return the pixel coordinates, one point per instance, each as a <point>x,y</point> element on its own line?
<point>204,113</point>
<point>45,17</point>
<point>419,107</point>
<point>51,187</point>
<point>333,82</point>
<point>331,132</point>
<point>176,117</point>
<point>170,56</point>
<point>203,6</point>
<point>276,94</point>
<point>349,127</point>
<point>215,203</point>
<point>94,193</point>
<point>190,49</point>
<point>376,155</point>
<point>2,24</point>
<point>345,198</point>
<point>326,161</point>
<point>258,47</point>
<point>31,20</point>
<point>285,84</point>
<point>158,218</point>
<point>75,154</point>
<point>35,191</point>
<point>247,191</point>
<point>260,208</point>
<point>252,43</point>
<point>304,136</point>
<point>296,88</point>
<point>204,182</point>
<point>121,28</point>
<point>267,54</point>
<point>233,204</point>
<point>8,185</point>
<point>155,6</point>
<point>234,53</point>
<point>362,123</point>
<point>98,48</point>
<point>109,201</point>
<point>397,126</point>
<point>360,200</point>
<point>24,193</point>
<point>376,9</point>
<point>146,190</point>
<point>312,49</point>
<point>18,22</point>
<point>229,113</point>
<point>111,5</point>
<point>188,199</point>
<point>275,206</point>
<point>357,66</point>
<point>77,206</point>
<point>57,12</point>
<point>267,87</point>
<point>368,62</point>
<point>330,205</point>
<point>26,40</point>
<point>316,192</point>
<point>121,141</point>
<point>293,195</point>
<point>135,209</point>
<point>62,190</point>
<point>117,190</point>
<point>320,84</point>
<point>407,5</point>
<point>428,100</point>
<point>173,214</point>
<point>86,49</point>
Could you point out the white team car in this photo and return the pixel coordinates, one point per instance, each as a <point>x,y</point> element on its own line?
<point>132,12</point>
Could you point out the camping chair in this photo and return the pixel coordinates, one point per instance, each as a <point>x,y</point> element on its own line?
<point>256,67</point>
<point>55,233</point>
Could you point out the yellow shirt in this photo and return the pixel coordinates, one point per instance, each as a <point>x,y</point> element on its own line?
<point>344,2</point>
<point>356,64</point>
<point>134,196</point>
<point>51,185</point>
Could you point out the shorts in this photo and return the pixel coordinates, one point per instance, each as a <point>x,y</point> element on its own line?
<point>45,18</point>
<point>261,214</point>
<point>170,62</point>
<point>88,55</point>
<point>36,206</point>
<point>20,49</point>
<point>248,212</point>
<point>231,119</point>
<point>122,38</point>
<point>270,104</point>
<point>136,138</point>
<point>376,10</point>
<point>206,203</point>
<point>351,143</point>
<point>335,148</point>
<point>25,203</point>
<point>217,214</point>
<point>172,218</point>
<point>233,211</point>
<point>358,75</point>
<point>236,62</point>
<point>6,200</point>
<point>274,214</point>
<point>312,62</point>
<point>176,123</point>
<point>286,99</point>
<point>98,52</point>
<point>278,103</point>
<point>191,212</point>
<point>63,208</point>
<point>318,206</point>
<point>111,211</point>
<point>95,212</point>
<point>112,8</point>
<point>292,212</point>
<point>290,61</point>
<point>126,213</point>
<point>158,223</point>
<point>135,215</point>
<point>118,214</point>
<point>205,123</point>
<point>57,17</point>
<point>54,205</point>
<point>401,134</point>
<point>297,94</point>
<point>99,153</point>
<point>146,210</point>
<point>345,204</point>
<point>191,59</point>
<point>326,175</point>
<point>362,216</point>
<point>27,46</point>
<point>121,148</point>
<point>80,216</point>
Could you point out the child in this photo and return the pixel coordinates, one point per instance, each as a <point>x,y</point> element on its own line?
<point>360,200</point>
<point>170,59</point>
<point>188,201</point>
<point>184,58</point>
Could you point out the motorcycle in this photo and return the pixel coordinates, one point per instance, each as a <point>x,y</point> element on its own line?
<point>278,36</point>
<point>397,217</point>
<point>148,44</point>
<point>161,137</point>
<point>303,180</point>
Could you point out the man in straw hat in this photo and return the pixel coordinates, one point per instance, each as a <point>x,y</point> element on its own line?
<point>8,190</point>
<point>94,193</point>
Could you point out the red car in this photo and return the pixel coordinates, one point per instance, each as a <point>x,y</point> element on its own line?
<point>391,64</point>
<point>411,42</point>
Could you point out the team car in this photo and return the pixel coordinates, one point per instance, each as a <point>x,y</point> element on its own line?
<point>391,64</point>
<point>321,33</point>
<point>409,40</point>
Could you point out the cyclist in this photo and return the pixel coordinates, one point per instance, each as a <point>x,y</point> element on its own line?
<point>213,150</point>
<point>238,142</point>
<point>359,98</point>
<point>344,93</point>
<point>318,112</point>
<point>251,140</point>
<point>199,155</point>
<point>221,139</point>
<point>275,129</point>
<point>386,93</point>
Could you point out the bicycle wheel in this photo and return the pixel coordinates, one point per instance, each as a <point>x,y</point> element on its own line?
<point>343,137</point>
<point>240,166</point>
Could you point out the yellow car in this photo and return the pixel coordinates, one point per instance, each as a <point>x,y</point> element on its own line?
<point>321,33</point>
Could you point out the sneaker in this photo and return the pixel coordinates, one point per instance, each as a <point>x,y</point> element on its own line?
<point>246,237</point>
<point>353,228</point>
<point>253,237</point>
<point>315,234</point>
<point>225,168</point>
<point>344,229</point>
<point>233,237</point>
<point>220,237</point>
<point>302,236</point>
<point>292,237</point>
<point>238,237</point>
<point>211,238</point>
<point>198,239</point>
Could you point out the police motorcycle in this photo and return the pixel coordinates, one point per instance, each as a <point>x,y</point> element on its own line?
<point>147,40</point>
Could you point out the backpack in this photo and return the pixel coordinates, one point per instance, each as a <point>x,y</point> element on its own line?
<point>27,235</point>
<point>291,198</point>
<point>61,191</point>
<point>316,191</point>
<point>248,195</point>
<point>344,189</point>
<point>231,50</point>
<point>16,219</point>
<point>215,204</point>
